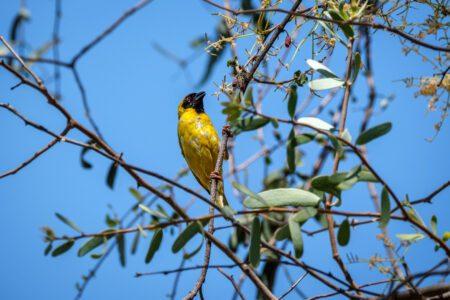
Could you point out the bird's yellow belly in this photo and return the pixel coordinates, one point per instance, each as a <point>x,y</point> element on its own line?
<point>196,141</point>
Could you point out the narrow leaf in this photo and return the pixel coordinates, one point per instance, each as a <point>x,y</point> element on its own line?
<point>189,255</point>
<point>410,236</point>
<point>325,84</point>
<point>255,243</point>
<point>322,69</point>
<point>111,178</point>
<point>187,234</point>
<point>292,101</point>
<point>304,138</point>
<point>304,215</point>
<point>296,237</point>
<point>433,224</point>
<point>68,222</point>
<point>248,100</point>
<point>356,65</point>
<point>248,124</point>
<point>135,242</point>
<point>48,249</point>
<point>93,243</point>
<point>135,193</point>
<point>245,190</point>
<point>63,248</point>
<point>385,208</point>
<point>344,233</point>
<point>373,133</point>
<point>121,248</point>
<point>283,197</point>
<point>290,151</point>
<point>315,122</point>
<point>153,212</point>
<point>154,245</point>
<point>283,233</point>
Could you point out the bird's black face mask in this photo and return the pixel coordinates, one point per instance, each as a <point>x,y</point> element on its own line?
<point>195,101</point>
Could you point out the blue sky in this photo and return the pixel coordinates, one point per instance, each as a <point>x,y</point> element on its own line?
<point>133,92</point>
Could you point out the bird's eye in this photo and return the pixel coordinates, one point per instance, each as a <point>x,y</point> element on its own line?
<point>188,99</point>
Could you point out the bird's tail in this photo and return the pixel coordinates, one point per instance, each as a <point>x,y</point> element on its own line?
<point>221,200</point>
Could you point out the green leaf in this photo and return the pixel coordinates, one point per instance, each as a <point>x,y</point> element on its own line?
<point>188,233</point>
<point>292,101</point>
<point>245,190</point>
<point>296,237</point>
<point>283,197</point>
<point>63,248</point>
<point>84,163</point>
<point>248,100</point>
<point>433,224</point>
<point>111,178</point>
<point>367,176</point>
<point>290,151</point>
<point>153,212</point>
<point>373,133</point>
<point>304,215</point>
<point>274,123</point>
<point>68,222</point>
<point>189,255</point>
<point>255,243</point>
<point>304,138</point>
<point>93,243</point>
<point>322,69</point>
<point>323,183</point>
<point>283,233</point>
<point>410,236</point>
<point>347,29</point>
<point>142,231</point>
<point>356,65</point>
<point>336,144</point>
<point>233,110</point>
<point>136,194</point>
<point>344,233</point>
<point>346,135</point>
<point>385,208</point>
<point>135,242</point>
<point>121,248</point>
<point>48,249</point>
<point>446,236</point>
<point>333,33</point>
<point>248,124</point>
<point>325,84</point>
<point>315,122</point>
<point>105,246</point>
<point>154,245</point>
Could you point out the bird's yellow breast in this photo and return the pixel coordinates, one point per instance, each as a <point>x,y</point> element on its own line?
<point>199,144</point>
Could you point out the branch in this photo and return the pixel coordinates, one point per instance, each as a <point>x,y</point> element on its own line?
<point>280,28</point>
<point>38,153</point>
<point>230,278</point>
<point>109,30</point>
<point>328,205</point>
<point>341,23</point>
<point>218,168</point>
<point>293,286</point>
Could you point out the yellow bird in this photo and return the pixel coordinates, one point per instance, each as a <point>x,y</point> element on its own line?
<point>200,143</point>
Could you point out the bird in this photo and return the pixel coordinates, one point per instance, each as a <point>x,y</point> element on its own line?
<point>200,143</point>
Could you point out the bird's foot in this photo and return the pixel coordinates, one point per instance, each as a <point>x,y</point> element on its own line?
<point>227,130</point>
<point>215,175</point>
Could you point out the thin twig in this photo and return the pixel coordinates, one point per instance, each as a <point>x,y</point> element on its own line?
<point>341,23</point>
<point>230,278</point>
<point>293,286</point>
<point>109,30</point>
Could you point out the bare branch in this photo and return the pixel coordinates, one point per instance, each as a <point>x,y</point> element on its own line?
<point>230,278</point>
<point>293,286</point>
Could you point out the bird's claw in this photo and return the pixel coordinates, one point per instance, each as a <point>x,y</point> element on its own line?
<point>215,175</point>
<point>227,130</point>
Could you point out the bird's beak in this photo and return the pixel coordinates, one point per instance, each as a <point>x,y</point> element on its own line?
<point>198,98</point>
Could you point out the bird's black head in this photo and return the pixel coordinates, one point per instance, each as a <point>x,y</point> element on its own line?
<point>195,101</point>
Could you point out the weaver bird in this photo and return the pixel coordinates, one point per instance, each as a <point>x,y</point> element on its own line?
<point>200,143</point>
